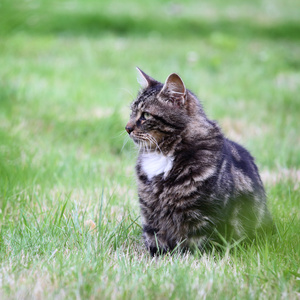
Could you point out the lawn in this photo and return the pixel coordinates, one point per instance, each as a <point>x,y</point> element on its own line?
<point>67,78</point>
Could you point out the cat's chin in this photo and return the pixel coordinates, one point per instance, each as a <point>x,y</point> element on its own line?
<point>143,144</point>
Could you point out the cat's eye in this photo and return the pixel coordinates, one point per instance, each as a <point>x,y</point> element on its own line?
<point>146,115</point>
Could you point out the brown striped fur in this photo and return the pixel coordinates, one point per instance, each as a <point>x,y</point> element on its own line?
<point>194,184</point>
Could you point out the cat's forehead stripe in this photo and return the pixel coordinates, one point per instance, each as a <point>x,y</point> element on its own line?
<point>144,97</point>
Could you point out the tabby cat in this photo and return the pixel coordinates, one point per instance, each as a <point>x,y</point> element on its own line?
<point>195,187</point>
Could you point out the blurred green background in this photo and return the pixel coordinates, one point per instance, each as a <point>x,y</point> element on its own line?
<point>67,78</point>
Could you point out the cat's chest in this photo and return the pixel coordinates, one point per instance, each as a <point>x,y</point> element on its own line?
<point>154,164</point>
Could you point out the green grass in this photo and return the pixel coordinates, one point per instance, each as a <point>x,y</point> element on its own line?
<point>67,77</point>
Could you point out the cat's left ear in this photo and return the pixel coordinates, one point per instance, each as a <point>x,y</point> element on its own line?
<point>145,80</point>
<point>174,88</point>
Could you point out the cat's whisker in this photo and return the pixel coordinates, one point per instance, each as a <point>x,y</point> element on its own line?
<point>127,91</point>
<point>120,134</point>
<point>125,142</point>
<point>150,141</point>
<point>147,147</point>
<point>154,141</point>
<point>143,145</point>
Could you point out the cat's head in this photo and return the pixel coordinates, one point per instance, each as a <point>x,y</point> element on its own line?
<point>161,112</point>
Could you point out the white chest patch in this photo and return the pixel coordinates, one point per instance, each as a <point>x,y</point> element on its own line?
<point>155,163</point>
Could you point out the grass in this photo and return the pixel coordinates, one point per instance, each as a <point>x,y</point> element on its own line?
<point>67,78</point>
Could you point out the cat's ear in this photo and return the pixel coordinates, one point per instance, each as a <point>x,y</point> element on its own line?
<point>174,88</point>
<point>145,80</point>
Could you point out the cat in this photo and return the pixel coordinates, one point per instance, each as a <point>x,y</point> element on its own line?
<point>196,188</point>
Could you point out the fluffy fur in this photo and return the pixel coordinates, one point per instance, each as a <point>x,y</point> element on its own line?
<point>194,184</point>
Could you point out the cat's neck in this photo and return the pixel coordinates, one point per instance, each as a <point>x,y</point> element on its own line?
<point>156,163</point>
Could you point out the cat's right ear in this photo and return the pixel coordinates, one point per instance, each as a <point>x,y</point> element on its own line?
<point>174,89</point>
<point>145,80</point>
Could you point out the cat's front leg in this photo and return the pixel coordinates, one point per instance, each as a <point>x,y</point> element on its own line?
<point>152,242</point>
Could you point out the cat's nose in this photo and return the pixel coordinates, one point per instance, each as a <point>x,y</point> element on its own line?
<point>129,128</point>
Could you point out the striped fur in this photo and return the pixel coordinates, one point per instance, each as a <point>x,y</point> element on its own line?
<point>194,184</point>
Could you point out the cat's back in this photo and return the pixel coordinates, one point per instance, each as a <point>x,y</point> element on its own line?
<point>240,164</point>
